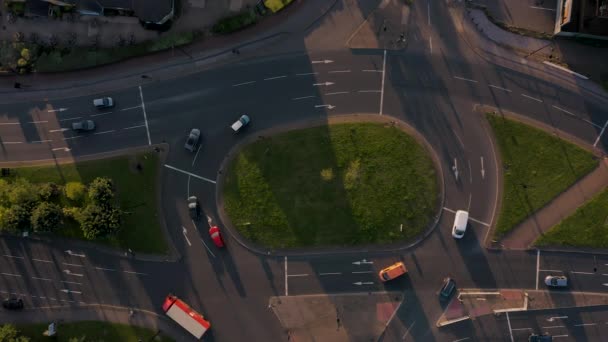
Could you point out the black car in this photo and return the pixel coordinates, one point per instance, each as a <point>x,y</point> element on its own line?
<point>540,338</point>
<point>13,303</point>
<point>194,207</point>
<point>83,126</point>
<point>448,288</point>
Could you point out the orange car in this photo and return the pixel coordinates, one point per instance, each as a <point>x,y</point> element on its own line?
<point>393,271</point>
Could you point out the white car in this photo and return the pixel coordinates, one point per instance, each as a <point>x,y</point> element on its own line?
<point>460,224</point>
<point>104,102</point>
<point>240,123</point>
<point>556,281</point>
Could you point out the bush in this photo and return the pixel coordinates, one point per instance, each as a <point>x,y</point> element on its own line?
<point>74,213</point>
<point>14,219</point>
<point>235,23</point>
<point>48,191</point>
<point>5,187</point>
<point>98,221</point>
<point>22,193</point>
<point>75,191</point>
<point>100,191</point>
<point>46,217</point>
<point>9,333</point>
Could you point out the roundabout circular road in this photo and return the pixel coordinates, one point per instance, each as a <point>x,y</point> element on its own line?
<point>439,92</point>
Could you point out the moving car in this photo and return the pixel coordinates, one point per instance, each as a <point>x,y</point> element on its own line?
<point>104,102</point>
<point>216,236</point>
<point>194,207</point>
<point>240,123</point>
<point>540,338</point>
<point>447,289</point>
<point>393,271</point>
<point>460,224</point>
<point>556,281</point>
<point>83,126</point>
<point>193,138</point>
<point>13,303</point>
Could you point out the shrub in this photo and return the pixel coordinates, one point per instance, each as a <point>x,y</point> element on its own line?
<point>48,191</point>
<point>75,191</point>
<point>74,213</point>
<point>100,191</point>
<point>14,219</point>
<point>98,221</point>
<point>235,22</point>
<point>9,332</point>
<point>46,217</point>
<point>22,193</point>
<point>4,190</point>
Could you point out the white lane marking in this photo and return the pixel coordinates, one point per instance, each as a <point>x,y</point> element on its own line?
<point>449,210</point>
<point>325,61</point>
<point>203,241</point>
<point>68,272</point>
<point>303,97</point>
<point>185,232</point>
<point>57,110</point>
<point>600,135</point>
<point>510,330</point>
<point>298,275</point>
<point>470,198</point>
<point>8,123</point>
<point>585,273</point>
<point>322,84</point>
<point>70,119</point>
<point>368,70</point>
<point>71,282</point>
<point>143,107</point>
<point>559,271</point>
<point>104,269</point>
<point>428,13</point>
<point>188,190</point>
<point>470,176</point>
<point>12,142</point>
<point>462,339</point>
<point>129,108</point>
<point>408,330</point>
<point>565,69</point>
<point>105,132</point>
<point>274,78</point>
<point>196,155</point>
<point>40,141</point>
<point>565,111</point>
<point>325,106</point>
<point>10,274</point>
<point>500,88</point>
<point>337,93</point>
<point>330,273</point>
<point>517,329</point>
<point>41,260</point>
<point>431,44</point>
<point>59,130</point>
<point>585,324</point>
<point>483,171</point>
<point>64,149</point>
<point>242,84</point>
<point>558,336</point>
<point>359,272</point>
<point>37,122</point>
<point>307,74</point>
<point>537,266</point>
<point>133,127</point>
<point>543,8</point>
<point>553,327</point>
<point>359,283</point>
<point>470,218</point>
<point>71,253</point>
<point>369,91</point>
<point>531,98</point>
<point>133,272</point>
<point>382,88</point>
<point>76,265</point>
<point>13,256</point>
<point>338,71</point>
<point>286,284</point>
<point>100,114</point>
<point>45,279</point>
<point>68,291</point>
<point>465,79</point>
<point>190,174</point>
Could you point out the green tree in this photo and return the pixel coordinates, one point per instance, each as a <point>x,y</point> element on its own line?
<point>14,219</point>
<point>98,221</point>
<point>22,193</point>
<point>46,217</point>
<point>5,187</point>
<point>101,191</point>
<point>9,333</point>
<point>75,191</point>
<point>48,191</point>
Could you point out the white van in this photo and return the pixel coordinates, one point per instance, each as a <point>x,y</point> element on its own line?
<point>460,224</point>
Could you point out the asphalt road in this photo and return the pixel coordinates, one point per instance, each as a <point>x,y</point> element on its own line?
<point>434,85</point>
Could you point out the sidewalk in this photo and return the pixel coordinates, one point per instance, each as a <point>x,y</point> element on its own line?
<point>524,235</point>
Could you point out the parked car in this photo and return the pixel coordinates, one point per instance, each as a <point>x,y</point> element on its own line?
<point>240,123</point>
<point>216,236</point>
<point>460,224</point>
<point>540,338</point>
<point>193,139</point>
<point>194,207</point>
<point>103,102</point>
<point>13,303</point>
<point>447,289</point>
<point>83,126</point>
<point>393,271</point>
<point>556,281</point>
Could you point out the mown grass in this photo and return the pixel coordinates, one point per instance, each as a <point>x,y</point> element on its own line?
<point>587,227</point>
<point>334,185</point>
<point>537,167</point>
<point>91,331</point>
<point>136,193</point>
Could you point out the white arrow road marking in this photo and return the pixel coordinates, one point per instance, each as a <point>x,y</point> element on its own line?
<point>64,149</point>
<point>455,168</point>
<point>57,110</point>
<point>59,130</point>
<point>551,319</point>
<point>363,262</point>
<point>75,254</point>
<point>323,84</point>
<point>325,61</point>
<point>328,106</point>
<point>364,283</point>
<point>70,291</point>
<point>483,172</point>
<point>209,221</point>
<point>68,272</point>
<point>184,231</point>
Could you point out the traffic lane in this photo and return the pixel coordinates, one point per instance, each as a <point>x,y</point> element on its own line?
<point>586,272</point>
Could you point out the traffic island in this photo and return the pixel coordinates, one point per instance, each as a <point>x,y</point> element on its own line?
<point>348,317</point>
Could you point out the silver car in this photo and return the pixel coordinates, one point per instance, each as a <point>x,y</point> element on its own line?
<point>193,139</point>
<point>104,102</point>
<point>556,281</point>
<point>84,125</point>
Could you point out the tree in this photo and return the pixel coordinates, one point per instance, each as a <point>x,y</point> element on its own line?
<point>22,193</point>
<point>98,221</point>
<point>101,191</point>
<point>9,333</point>
<point>48,191</point>
<point>46,217</point>
<point>4,190</point>
<point>75,191</point>
<point>14,219</point>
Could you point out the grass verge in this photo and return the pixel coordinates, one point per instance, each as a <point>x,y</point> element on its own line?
<point>136,192</point>
<point>537,167</point>
<point>236,22</point>
<point>336,185</point>
<point>585,228</point>
<point>91,331</point>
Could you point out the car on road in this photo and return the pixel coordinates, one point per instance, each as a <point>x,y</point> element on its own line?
<point>13,303</point>
<point>447,289</point>
<point>240,123</point>
<point>393,271</point>
<point>540,338</point>
<point>83,126</point>
<point>216,236</point>
<point>460,224</point>
<point>103,102</point>
<point>194,207</point>
<point>556,281</point>
<point>193,140</point>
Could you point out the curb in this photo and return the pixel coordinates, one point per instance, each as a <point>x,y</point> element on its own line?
<point>328,250</point>
<point>566,70</point>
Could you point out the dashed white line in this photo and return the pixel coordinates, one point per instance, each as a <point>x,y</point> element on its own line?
<point>537,266</point>
<point>190,174</point>
<point>242,84</point>
<point>462,339</point>
<point>368,70</point>
<point>308,74</point>
<point>286,283</point>
<point>10,274</point>
<point>70,119</point>
<point>465,79</point>
<point>543,8</point>
<point>8,123</point>
<point>71,282</point>
<point>41,260</point>
<point>337,93</point>
<point>100,114</point>
<point>500,88</point>
<point>601,133</point>
<point>75,265</point>
<point>431,44</point>
<point>133,127</point>
<point>585,324</point>
<point>37,122</point>
<point>531,98</point>
<point>559,271</point>
<point>45,279</point>
<point>330,273</point>
<point>12,142</point>
<point>303,97</point>
<point>558,336</point>
<point>274,78</point>
<point>565,111</point>
<point>360,272</point>
<point>40,141</point>
<point>76,137</point>
<point>196,155</point>
<point>382,88</point>
<point>369,91</point>
<point>104,269</point>
<point>338,71</point>
<point>517,329</point>
<point>143,107</point>
<point>554,327</point>
<point>510,330</point>
<point>129,108</point>
<point>13,256</point>
<point>105,132</point>
<point>586,273</point>
<point>132,272</point>
<point>298,275</point>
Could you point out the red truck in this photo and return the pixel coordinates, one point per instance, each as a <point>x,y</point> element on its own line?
<point>185,316</point>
